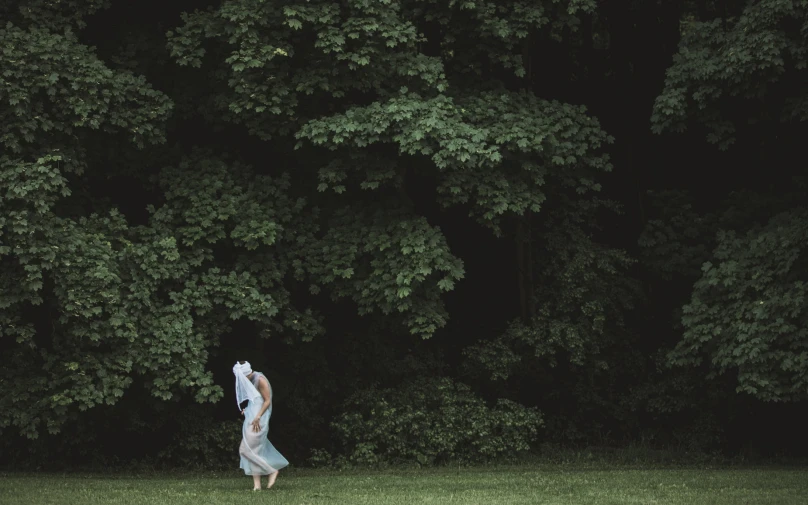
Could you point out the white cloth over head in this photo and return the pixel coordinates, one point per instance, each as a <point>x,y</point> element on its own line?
<point>244,388</point>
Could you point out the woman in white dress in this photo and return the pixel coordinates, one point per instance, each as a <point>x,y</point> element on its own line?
<point>258,456</point>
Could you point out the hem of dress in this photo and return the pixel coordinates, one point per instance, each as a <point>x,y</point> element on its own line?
<point>262,473</point>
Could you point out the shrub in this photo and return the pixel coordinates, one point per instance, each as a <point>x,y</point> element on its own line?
<point>202,442</point>
<point>432,421</point>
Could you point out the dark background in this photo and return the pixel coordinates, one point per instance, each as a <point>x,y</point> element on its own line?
<point>618,84</point>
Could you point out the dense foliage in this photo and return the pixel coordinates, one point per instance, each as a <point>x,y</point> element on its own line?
<point>575,221</point>
<point>432,420</point>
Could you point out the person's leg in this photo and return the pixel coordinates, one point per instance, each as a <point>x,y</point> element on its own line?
<point>271,481</point>
<point>249,451</point>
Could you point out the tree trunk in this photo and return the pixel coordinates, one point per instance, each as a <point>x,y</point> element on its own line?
<point>531,308</point>
<point>524,267</point>
<point>402,188</point>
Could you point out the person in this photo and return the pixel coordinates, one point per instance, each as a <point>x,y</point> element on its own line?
<point>258,456</point>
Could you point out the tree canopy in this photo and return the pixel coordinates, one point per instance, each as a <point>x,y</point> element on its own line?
<point>327,185</point>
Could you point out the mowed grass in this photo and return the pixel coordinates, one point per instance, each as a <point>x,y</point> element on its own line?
<point>541,484</point>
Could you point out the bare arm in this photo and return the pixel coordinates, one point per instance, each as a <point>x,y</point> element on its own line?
<point>263,388</point>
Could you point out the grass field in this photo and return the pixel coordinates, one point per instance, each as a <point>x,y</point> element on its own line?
<point>541,484</point>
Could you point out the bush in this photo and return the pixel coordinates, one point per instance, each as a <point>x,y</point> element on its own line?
<point>201,442</point>
<point>432,421</point>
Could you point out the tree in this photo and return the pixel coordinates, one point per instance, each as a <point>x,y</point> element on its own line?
<point>748,311</point>
<point>738,67</point>
<point>369,93</point>
<point>56,96</point>
<point>746,306</point>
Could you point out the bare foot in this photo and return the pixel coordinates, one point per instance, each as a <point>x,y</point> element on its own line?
<point>272,478</point>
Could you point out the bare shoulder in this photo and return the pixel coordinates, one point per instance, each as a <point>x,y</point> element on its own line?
<point>263,388</point>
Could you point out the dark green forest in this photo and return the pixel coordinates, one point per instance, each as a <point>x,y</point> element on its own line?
<point>459,230</point>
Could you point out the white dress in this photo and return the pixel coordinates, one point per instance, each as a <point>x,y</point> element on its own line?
<point>258,455</point>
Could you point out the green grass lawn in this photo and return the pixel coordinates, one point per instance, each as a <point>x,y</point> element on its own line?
<point>540,484</point>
